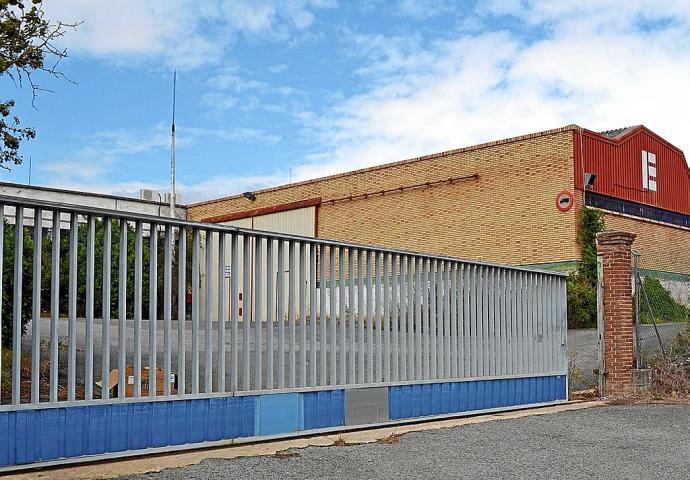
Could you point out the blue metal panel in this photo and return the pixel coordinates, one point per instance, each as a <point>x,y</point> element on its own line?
<point>279,413</point>
<point>410,401</point>
<point>47,434</point>
<point>324,409</point>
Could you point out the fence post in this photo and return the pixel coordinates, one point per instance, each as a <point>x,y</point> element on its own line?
<point>615,253</point>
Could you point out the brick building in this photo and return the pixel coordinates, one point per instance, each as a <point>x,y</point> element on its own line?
<point>513,201</point>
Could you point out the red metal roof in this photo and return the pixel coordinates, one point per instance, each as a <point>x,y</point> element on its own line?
<point>617,162</point>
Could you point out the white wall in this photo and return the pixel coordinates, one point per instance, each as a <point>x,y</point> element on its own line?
<point>295,222</point>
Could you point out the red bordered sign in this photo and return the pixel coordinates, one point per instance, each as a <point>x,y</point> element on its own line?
<point>564,201</point>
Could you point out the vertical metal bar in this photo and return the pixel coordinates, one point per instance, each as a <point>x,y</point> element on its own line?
<point>280,287</point>
<point>234,309</point>
<point>461,286</point>
<point>378,317</point>
<point>402,318</point>
<point>122,304</point>
<point>196,292</point>
<point>394,314</point>
<point>333,314</point>
<point>515,322</point>
<point>508,328</point>
<point>17,308</point>
<point>153,309</point>
<point>432,319</point>
<point>167,309</point>
<point>370,318</point>
<point>208,320</point>
<point>426,293</point>
<point>499,320</point>
<point>323,339</point>
<point>312,312</point>
<point>302,313</point>
<point>446,320</point>
<point>453,353</point>
<point>258,312</point>
<point>36,309</point>
<point>292,307</point>
<point>409,331</point>
<point>387,259</point>
<point>525,324</point>
<point>487,305</point>
<point>351,345</point>
<point>246,310</point>
<point>270,295</point>
<point>181,314</point>
<point>476,320</point>
<point>55,301</point>
<point>467,320</point>
<point>137,305</point>
<point>360,314</point>
<point>491,320</point>
<point>222,312</point>
<point>539,300</point>
<point>441,318</point>
<point>548,317</point>
<point>530,324</point>
<point>341,316</point>
<point>418,265</point>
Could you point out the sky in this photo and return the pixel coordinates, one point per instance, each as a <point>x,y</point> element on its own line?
<point>270,92</point>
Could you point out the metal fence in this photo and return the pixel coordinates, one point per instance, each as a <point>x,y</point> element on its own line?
<point>100,305</point>
<point>662,313</point>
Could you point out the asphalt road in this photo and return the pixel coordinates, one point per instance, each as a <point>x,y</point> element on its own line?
<point>615,442</point>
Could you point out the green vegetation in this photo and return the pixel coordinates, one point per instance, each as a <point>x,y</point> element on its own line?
<point>664,307</point>
<point>582,285</point>
<point>46,269</point>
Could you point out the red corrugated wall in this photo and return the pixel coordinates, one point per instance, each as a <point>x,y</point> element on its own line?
<point>618,166</point>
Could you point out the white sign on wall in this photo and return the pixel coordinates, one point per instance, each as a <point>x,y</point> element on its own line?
<point>648,171</point>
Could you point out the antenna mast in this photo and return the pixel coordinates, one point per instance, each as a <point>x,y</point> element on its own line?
<point>172,151</point>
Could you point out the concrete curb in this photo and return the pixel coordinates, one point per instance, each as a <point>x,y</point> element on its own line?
<point>142,465</point>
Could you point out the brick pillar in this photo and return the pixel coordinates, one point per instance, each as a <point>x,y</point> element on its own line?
<point>615,250</point>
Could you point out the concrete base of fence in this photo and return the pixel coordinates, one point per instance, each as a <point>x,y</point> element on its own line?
<point>41,436</point>
<point>643,380</point>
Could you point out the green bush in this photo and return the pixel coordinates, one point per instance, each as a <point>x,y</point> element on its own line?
<point>582,285</point>
<point>664,307</point>
<point>8,281</point>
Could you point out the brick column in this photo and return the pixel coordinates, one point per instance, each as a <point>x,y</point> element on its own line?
<point>615,250</point>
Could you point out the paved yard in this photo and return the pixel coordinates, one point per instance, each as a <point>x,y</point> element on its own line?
<point>630,442</point>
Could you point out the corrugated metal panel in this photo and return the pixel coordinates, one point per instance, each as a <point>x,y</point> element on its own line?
<point>324,409</point>
<point>48,434</point>
<point>410,401</point>
<point>618,166</point>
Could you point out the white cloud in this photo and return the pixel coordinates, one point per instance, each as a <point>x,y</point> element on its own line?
<point>91,167</point>
<point>601,65</point>
<point>181,33</point>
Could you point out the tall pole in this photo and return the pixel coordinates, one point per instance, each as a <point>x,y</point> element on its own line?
<point>172,152</point>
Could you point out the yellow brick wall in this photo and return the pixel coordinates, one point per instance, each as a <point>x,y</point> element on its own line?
<point>507,215</point>
<point>661,247</point>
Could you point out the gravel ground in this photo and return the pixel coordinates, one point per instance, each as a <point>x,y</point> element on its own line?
<point>631,442</point>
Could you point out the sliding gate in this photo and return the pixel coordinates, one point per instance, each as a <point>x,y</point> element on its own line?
<point>110,350</point>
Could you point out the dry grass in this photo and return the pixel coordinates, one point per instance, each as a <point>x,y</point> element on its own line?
<point>390,439</point>
<point>340,442</point>
<point>670,378</point>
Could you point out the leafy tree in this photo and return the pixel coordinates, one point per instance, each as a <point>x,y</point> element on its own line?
<point>9,239</point>
<point>27,45</point>
<point>582,285</point>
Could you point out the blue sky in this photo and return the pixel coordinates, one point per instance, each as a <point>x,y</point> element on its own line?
<point>273,90</point>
